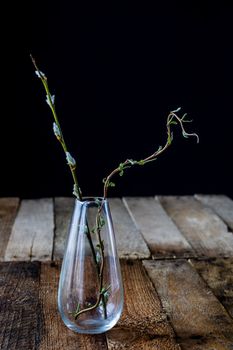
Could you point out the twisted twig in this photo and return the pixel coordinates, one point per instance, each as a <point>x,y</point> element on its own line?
<point>172,118</point>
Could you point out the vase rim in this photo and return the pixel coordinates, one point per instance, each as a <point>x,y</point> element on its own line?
<point>90,199</point>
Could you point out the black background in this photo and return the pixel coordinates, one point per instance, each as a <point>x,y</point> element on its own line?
<point>116,70</point>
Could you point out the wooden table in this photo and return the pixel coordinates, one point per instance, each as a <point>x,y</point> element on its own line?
<point>177,266</point>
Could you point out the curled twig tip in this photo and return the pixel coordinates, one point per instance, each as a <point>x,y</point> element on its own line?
<point>176,110</point>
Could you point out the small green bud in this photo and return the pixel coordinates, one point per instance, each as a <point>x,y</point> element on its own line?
<point>57,131</point>
<point>50,103</point>
<point>76,191</point>
<point>70,160</point>
<point>101,222</point>
<point>98,257</point>
<point>98,201</point>
<point>131,161</point>
<point>170,138</point>
<point>40,74</point>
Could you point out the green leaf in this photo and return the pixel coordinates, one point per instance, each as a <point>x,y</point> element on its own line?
<point>98,201</point>
<point>74,313</point>
<point>93,230</point>
<point>173,122</point>
<point>105,291</point>
<point>170,138</point>
<point>121,166</point>
<point>101,221</point>
<point>108,183</point>
<point>101,245</point>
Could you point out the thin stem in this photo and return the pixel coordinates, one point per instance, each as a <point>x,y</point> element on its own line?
<point>101,296</point>
<point>77,191</point>
<point>96,264</point>
<point>92,248</point>
<point>104,306</point>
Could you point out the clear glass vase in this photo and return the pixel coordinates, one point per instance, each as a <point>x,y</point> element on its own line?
<point>90,293</point>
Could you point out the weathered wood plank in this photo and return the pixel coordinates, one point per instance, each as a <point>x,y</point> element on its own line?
<point>218,274</point>
<point>160,233</point>
<point>63,212</point>
<point>57,335</point>
<point>32,233</point>
<point>198,318</point>
<point>8,210</point>
<point>222,205</point>
<point>21,321</point>
<point>204,230</point>
<point>130,243</point>
<point>143,324</point>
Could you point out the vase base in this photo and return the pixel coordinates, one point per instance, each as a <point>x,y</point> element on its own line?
<point>90,327</point>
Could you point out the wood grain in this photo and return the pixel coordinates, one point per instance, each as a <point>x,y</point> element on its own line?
<point>204,230</point>
<point>130,243</point>
<point>21,321</point>
<point>143,324</point>
<point>63,207</point>
<point>198,318</point>
<point>57,335</point>
<point>195,297</point>
<point>222,205</point>
<point>32,233</point>
<point>218,274</point>
<point>8,211</point>
<point>160,233</point>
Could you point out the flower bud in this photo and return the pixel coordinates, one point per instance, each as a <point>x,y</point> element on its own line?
<point>70,160</point>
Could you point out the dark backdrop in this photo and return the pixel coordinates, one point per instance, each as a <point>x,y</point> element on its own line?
<point>116,72</point>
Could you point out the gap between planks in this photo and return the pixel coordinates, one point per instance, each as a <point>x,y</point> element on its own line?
<point>33,237</point>
<point>199,320</point>
<point>57,335</point>
<point>130,243</point>
<point>218,274</point>
<point>29,316</point>
<point>180,227</point>
<point>159,231</point>
<point>220,204</point>
<point>203,229</point>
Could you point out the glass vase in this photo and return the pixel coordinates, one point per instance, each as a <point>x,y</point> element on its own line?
<point>90,293</point>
